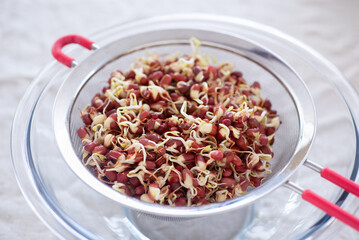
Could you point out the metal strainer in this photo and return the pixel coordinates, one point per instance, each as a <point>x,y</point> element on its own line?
<point>279,81</point>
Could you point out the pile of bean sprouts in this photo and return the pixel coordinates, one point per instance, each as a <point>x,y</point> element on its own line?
<point>179,131</point>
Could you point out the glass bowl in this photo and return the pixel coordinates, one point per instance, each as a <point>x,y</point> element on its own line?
<point>72,209</point>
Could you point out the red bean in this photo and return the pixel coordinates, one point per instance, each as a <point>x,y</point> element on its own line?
<point>145,94</point>
<point>130,75</point>
<point>228,182</point>
<point>161,160</point>
<point>227,122</point>
<point>144,81</point>
<point>151,155</point>
<point>133,86</point>
<point>270,131</point>
<point>126,190</point>
<point>100,149</point>
<point>173,177</point>
<point>156,75</point>
<point>174,96</point>
<point>183,127</point>
<point>162,128</point>
<point>196,70</point>
<point>188,157</point>
<point>259,167</point>
<point>245,92</point>
<point>252,122</point>
<point>240,169</point>
<point>199,158</point>
<point>256,85</point>
<point>237,161</point>
<point>161,150</point>
<point>144,115</point>
<point>201,192</point>
<point>111,175</point>
<point>180,202</point>
<point>153,137</point>
<point>139,190</point>
<point>216,155</point>
<point>266,150</point>
<point>263,140</point>
<point>131,150</point>
<point>180,78</point>
<point>251,132</point>
<point>90,146</point>
<point>149,126</point>
<point>256,181</point>
<point>166,80</point>
<point>227,172</point>
<point>175,186</point>
<point>134,181</point>
<point>183,87</point>
<point>114,155</point>
<point>82,133</point>
<point>212,72</point>
<point>158,106</point>
<point>237,74</point>
<point>87,119</point>
<point>97,102</point>
<point>122,177</point>
<point>147,143</point>
<point>262,129</point>
<point>150,165</point>
<point>242,143</point>
<point>138,157</point>
<point>173,129</point>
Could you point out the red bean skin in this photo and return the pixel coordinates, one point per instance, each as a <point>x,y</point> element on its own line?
<point>153,137</point>
<point>173,177</point>
<point>227,172</point>
<point>87,119</point>
<point>134,181</point>
<point>111,175</point>
<point>201,193</point>
<point>237,161</point>
<point>114,155</point>
<point>252,122</point>
<point>140,190</point>
<point>180,78</point>
<point>263,140</point>
<point>90,146</point>
<point>101,149</point>
<point>180,202</point>
<point>122,177</point>
<point>216,155</point>
<point>156,75</point>
<point>81,132</point>
<point>165,81</point>
<point>144,115</point>
<point>150,165</point>
<point>228,182</point>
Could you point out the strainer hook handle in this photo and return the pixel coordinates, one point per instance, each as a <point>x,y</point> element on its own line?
<point>66,40</point>
<point>322,203</point>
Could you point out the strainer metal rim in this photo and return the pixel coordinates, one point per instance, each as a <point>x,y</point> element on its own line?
<point>307,128</point>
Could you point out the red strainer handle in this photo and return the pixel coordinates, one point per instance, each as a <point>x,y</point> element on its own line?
<point>66,40</point>
<point>345,183</point>
<point>331,209</point>
<point>327,206</point>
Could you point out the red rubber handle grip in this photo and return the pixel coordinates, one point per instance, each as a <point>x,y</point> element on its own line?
<point>331,209</point>
<point>65,40</point>
<point>345,183</point>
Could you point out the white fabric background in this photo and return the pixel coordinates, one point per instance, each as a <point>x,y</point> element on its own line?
<point>28,29</point>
